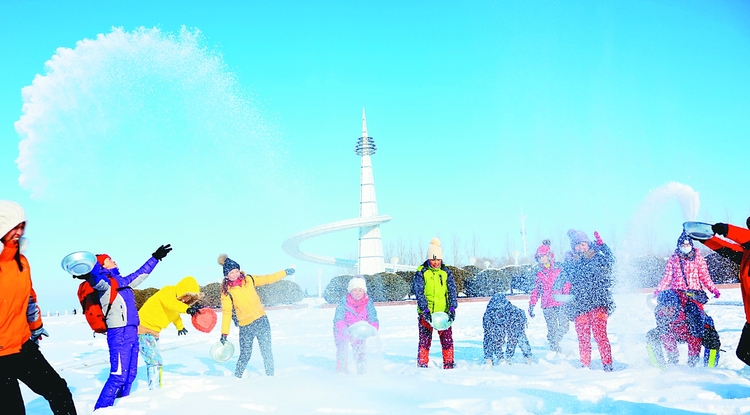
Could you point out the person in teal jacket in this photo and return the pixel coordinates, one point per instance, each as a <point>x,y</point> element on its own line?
<point>435,289</point>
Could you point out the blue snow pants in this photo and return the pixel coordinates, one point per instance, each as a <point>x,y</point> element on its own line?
<point>123,360</point>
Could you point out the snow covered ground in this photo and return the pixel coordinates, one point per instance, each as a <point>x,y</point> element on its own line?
<point>306,382</point>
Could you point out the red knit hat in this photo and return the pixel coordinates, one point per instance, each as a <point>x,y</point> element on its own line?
<point>101,258</point>
<point>545,249</point>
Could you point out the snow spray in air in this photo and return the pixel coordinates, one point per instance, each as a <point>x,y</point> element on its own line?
<point>141,105</point>
<point>653,230</point>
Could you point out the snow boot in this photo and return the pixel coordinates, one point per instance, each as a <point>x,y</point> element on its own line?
<point>448,362</point>
<point>342,366</point>
<point>693,360</point>
<point>711,357</point>
<point>656,356</point>
<point>743,347</point>
<point>154,377</point>
<point>423,357</point>
<point>673,358</point>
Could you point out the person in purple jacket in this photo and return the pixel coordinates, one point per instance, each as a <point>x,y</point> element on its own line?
<point>354,307</point>
<point>122,321</point>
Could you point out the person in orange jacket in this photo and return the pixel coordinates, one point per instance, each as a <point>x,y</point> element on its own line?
<point>736,247</point>
<point>21,325</point>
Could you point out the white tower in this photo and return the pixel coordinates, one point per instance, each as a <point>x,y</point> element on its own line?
<point>370,243</point>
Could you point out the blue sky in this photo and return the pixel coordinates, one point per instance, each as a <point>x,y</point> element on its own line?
<point>227,128</point>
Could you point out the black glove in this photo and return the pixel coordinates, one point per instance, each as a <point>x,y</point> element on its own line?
<point>452,314</point>
<point>162,251</point>
<point>289,271</point>
<point>37,334</point>
<point>427,316</point>
<point>720,228</point>
<point>182,332</point>
<point>531,311</point>
<point>194,309</point>
<point>223,339</point>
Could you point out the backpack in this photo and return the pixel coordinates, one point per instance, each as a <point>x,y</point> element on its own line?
<point>91,305</point>
<point>711,343</point>
<point>234,312</point>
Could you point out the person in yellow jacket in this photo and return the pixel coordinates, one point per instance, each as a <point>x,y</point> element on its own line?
<point>159,311</point>
<point>240,301</point>
<point>21,325</point>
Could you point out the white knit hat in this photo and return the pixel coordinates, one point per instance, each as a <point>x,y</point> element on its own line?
<point>357,282</point>
<point>11,214</point>
<point>435,251</point>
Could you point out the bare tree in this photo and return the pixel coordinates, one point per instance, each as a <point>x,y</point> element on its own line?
<point>399,250</point>
<point>409,254</point>
<point>474,245</point>
<point>421,251</point>
<point>388,251</point>
<point>456,247</point>
<point>508,249</point>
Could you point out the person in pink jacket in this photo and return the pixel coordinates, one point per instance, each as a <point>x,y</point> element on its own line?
<point>354,307</point>
<point>686,270</point>
<point>687,273</point>
<point>550,281</point>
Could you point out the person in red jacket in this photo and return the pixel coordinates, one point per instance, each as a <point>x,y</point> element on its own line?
<point>21,325</point>
<point>736,247</point>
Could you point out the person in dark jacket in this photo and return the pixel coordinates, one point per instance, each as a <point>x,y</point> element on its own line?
<point>671,328</point>
<point>21,327</point>
<point>504,323</point>
<point>435,290</point>
<point>589,269</point>
<point>736,247</point>
<point>122,321</point>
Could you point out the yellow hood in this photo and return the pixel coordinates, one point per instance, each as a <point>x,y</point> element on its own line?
<point>187,285</point>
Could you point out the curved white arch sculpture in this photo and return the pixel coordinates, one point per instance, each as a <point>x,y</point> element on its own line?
<point>291,245</point>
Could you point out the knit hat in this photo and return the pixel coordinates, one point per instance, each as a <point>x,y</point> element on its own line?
<point>435,251</point>
<point>100,258</point>
<point>11,214</point>
<point>357,282</point>
<point>545,249</point>
<point>577,237</point>
<point>227,263</point>
<point>683,238</point>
